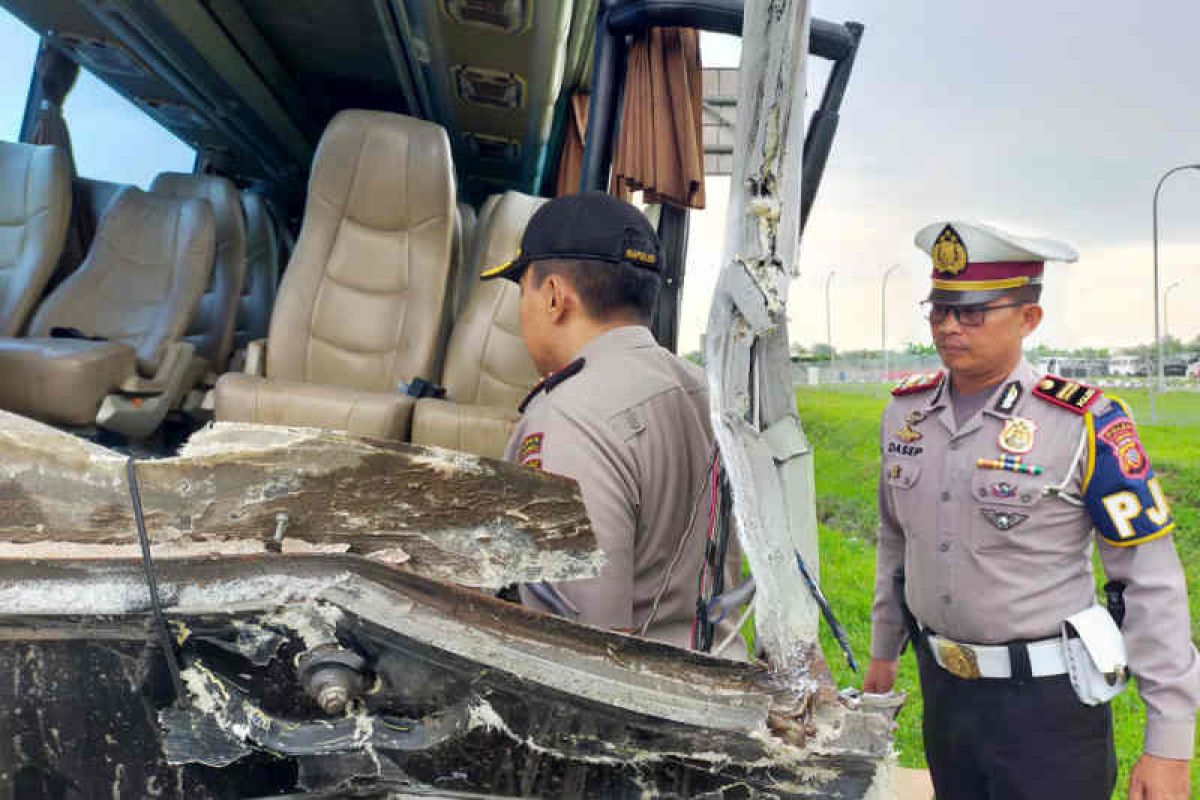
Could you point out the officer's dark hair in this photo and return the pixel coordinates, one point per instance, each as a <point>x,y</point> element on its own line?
<point>605,289</point>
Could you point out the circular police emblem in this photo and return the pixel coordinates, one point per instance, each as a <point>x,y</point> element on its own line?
<point>1018,435</point>
<point>949,253</point>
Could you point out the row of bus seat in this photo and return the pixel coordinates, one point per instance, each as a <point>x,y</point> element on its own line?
<point>156,304</point>
<point>373,286</point>
<point>380,290</point>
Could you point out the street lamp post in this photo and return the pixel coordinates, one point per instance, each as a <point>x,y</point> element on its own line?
<point>1167,309</point>
<point>1157,338</point>
<point>883,320</point>
<point>829,320</point>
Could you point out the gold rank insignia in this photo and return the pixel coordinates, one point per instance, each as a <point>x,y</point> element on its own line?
<point>949,252</point>
<point>1018,435</point>
<point>908,434</point>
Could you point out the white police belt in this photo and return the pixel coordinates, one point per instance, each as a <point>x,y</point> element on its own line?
<point>971,661</point>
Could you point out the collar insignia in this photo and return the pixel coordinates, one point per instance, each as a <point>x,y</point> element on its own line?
<point>1018,435</point>
<point>1004,520</point>
<point>552,380</point>
<point>949,252</point>
<point>1009,398</point>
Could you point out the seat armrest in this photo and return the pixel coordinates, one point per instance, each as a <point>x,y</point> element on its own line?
<point>141,404</point>
<point>256,358</point>
<point>175,366</point>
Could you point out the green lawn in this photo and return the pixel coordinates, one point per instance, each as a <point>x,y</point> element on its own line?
<point>843,425</point>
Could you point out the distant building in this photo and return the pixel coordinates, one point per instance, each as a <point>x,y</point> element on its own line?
<point>720,107</point>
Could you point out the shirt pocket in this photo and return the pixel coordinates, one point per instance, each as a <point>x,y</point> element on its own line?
<point>902,479</point>
<point>1006,510</point>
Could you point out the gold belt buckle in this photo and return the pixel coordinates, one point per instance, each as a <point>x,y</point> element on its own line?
<point>958,660</point>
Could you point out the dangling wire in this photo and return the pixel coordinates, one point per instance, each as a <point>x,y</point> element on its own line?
<point>711,580</point>
<point>160,623</point>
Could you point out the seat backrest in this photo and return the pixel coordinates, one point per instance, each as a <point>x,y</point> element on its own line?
<point>486,360</point>
<point>35,207</point>
<point>262,271</point>
<point>211,328</point>
<point>465,276</point>
<point>142,278</point>
<point>362,298</point>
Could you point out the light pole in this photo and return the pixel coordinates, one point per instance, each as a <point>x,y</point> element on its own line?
<point>1167,309</point>
<point>883,320</point>
<point>829,320</point>
<point>1157,338</point>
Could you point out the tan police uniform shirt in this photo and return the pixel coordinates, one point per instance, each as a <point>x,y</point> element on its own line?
<point>993,556</point>
<point>632,427</point>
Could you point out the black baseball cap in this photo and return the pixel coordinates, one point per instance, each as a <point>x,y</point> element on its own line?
<point>592,226</point>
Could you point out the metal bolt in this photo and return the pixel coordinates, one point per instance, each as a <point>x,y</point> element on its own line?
<point>333,698</point>
<point>281,523</point>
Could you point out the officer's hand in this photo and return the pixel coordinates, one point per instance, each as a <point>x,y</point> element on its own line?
<point>1157,778</point>
<point>881,676</point>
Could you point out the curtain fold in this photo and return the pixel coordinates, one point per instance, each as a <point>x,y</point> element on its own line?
<point>570,162</point>
<point>660,149</point>
<point>56,75</point>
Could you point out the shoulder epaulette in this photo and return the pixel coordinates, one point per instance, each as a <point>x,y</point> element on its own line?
<point>917,382</point>
<point>1068,394</point>
<point>548,383</point>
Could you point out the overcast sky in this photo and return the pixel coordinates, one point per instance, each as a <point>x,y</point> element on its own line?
<point>1049,118</point>
<point>1054,118</point>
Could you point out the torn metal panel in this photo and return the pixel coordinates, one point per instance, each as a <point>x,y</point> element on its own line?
<point>445,514</point>
<point>465,694</point>
<point>746,346</point>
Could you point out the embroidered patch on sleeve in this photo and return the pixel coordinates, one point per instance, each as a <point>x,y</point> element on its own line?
<point>1122,493</point>
<point>533,463</point>
<point>531,446</point>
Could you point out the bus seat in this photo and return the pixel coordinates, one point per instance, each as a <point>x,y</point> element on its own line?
<point>118,321</point>
<point>488,370</point>
<point>359,309</point>
<point>465,278</point>
<point>35,207</point>
<point>262,271</point>
<point>211,328</point>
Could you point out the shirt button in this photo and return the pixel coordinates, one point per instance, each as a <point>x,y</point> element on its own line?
<point>944,546</point>
<point>945,497</point>
<point>982,492</point>
<point>1026,497</point>
<point>946,599</point>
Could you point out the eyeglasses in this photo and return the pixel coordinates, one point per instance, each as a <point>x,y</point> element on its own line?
<point>967,316</point>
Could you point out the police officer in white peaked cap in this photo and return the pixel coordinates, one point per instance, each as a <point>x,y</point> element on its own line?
<point>996,484</point>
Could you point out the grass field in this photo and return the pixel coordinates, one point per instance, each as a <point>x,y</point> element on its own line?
<point>843,425</point>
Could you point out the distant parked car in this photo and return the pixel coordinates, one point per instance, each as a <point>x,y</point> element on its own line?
<point>1175,366</point>
<point>1126,365</point>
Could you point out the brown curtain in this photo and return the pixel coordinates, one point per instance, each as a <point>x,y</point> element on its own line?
<point>56,76</point>
<point>660,150</point>
<point>570,163</point>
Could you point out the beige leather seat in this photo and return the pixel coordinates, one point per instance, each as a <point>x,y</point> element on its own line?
<point>35,208</point>
<point>464,277</point>
<point>488,370</point>
<point>136,290</point>
<point>262,272</point>
<point>211,328</point>
<point>362,299</point>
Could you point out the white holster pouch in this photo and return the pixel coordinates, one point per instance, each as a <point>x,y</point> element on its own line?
<point>1095,658</point>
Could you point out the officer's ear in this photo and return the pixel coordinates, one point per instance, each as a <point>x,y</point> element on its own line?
<point>1031,317</point>
<point>557,295</point>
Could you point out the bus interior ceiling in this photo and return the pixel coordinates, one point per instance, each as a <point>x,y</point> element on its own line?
<point>250,84</point>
